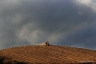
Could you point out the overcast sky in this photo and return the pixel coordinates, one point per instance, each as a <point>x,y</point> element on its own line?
<point>61,22</point>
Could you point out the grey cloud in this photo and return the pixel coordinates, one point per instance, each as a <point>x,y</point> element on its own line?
<point>84,37</point>
<point>27,22</point>
<point>89,3</point>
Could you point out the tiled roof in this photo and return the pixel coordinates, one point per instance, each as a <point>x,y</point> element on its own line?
<point>49,54</point>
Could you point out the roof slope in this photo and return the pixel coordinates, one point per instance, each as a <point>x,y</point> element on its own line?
<point>49,54</point>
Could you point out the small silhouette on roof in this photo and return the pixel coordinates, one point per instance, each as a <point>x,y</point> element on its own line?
<point>47,43</point>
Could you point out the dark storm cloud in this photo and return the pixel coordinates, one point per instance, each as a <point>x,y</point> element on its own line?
<point>83,37</point>
<point>24,22</point>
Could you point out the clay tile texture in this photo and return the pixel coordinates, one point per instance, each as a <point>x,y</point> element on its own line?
<point>49,54</point>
